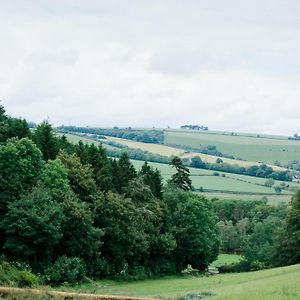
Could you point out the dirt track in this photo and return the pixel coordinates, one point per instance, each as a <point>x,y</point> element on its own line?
<point>35,293</point>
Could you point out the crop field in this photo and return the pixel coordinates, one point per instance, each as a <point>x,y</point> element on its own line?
<point>266,149</point>
<point>228,186</point>
<point>169,151</point>
<point>272,284</point>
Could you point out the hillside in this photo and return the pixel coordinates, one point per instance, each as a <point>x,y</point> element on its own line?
<point>272,284</point>
<point>255,147</point>
<point>214,184</point>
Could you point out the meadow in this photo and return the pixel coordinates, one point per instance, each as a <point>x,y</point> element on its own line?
<point>223,186</point>
<point>258,148</point>
<point>172,151</point>
<point>272,284</point>
<point>226,185</point>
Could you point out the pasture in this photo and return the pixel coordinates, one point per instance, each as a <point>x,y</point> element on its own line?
<point>172,151</point>
<point>226,185</point>
<point>257,148</point>
<point>272,284</point>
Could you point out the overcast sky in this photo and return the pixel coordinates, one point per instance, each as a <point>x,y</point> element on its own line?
<point>228,64</point>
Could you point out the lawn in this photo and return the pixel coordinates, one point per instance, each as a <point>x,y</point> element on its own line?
<point>273,284</point>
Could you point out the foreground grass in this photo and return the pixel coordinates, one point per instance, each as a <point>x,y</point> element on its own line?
<point>273,284</point>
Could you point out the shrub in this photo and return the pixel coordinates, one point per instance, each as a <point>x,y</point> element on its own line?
<point>27,279</point>
<point>66,270</point>
<point>257,265</point>
<point>190,271</point>
<point>10,275</point>
<point>242,266</point>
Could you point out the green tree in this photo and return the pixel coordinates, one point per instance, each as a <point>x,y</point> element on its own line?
<point>18,128</point>
<point>122,172</point>
<point>152,178</point>
<point>80,237</point>
<point>32,228</point>
<point>124,241</point>
<point>260,244</point>
<point>287,241</point>
<point>196,233</point>
<point>20,164</point>
<point>80,176</point>
<point>54,177</point>
<point>46,140</point>
<point>181,178</point>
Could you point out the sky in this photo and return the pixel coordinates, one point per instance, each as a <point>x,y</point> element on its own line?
<point>227,64</point>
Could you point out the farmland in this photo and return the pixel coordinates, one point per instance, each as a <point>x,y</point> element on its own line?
<point>224,185</point>
<point>214,184</point>
<point>258,148</point>
<point>272,284</point>
<point>169,151</point>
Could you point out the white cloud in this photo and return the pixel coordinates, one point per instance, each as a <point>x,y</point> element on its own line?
<point>231,65</point>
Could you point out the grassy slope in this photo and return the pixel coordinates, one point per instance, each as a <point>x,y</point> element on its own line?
<point>230,183</point>
<point>232,186</point>
<point>249,147</point>
<point>273,284</point>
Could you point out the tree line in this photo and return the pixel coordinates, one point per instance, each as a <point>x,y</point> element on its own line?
<point>68,211</point>
<point>262,170</point>
<point>145,136</point>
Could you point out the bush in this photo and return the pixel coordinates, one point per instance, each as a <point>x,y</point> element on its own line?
<point>10,275</point>
<point>242,266</point>
<point>66,270</point>
<point>27,279</point>
<point>257,265</point>
<point>190,271</point>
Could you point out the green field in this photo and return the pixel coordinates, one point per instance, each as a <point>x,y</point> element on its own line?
<point>172,151</point>
<point>273,284</point>
<point>224,186</point>
<point>266,149</point>
<point>231,186</point>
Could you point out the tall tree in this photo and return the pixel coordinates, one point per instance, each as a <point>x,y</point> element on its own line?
<point>80,176</point>
<point>152,178</point>
<point>20,164</point>
<point>195,230</point>
<point>287,242</point>
<point>181,178</point>
<point>32,228</point>
<point>46,140</point>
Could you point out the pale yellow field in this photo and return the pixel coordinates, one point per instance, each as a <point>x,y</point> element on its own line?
<point>172,151</point>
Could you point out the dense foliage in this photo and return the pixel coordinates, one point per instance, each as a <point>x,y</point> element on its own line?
<point>68,210</point>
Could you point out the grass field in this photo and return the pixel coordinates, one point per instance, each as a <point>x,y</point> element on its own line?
<point>231,186</point>
<point>224,186</point>
<point>169,151</point>
<point>273,284</point>
<point>266,149</point>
